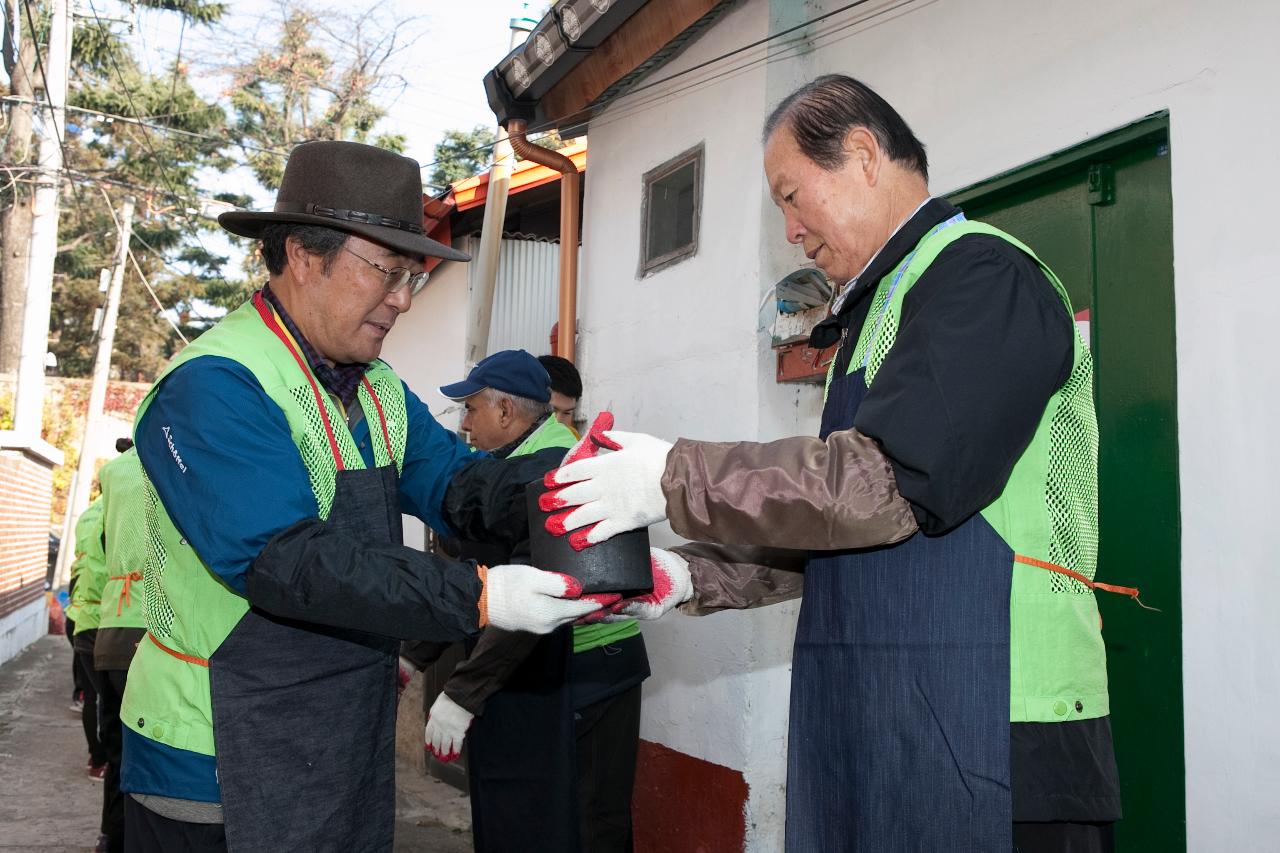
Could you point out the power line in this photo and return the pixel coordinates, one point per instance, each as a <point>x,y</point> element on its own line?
<point>17,99</point>
<point>155,298</point>
<point>128,94</point>
<point>177,64</point>
<point>628,110</point>
<point>545,126</point>
<point>26,5</point>
<point>76,174</point>
<point>726,55</point>
<point>138,267</point>
<point>86,177</point>
<point>57,132</point>
<point>814,20</point>
<point>160,256</point>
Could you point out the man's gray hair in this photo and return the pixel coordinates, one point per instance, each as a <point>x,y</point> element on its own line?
<point>316,239</point>
<point>820,115</point>
<point>531,409</point>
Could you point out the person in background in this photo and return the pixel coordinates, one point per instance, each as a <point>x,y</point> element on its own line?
<point>89,575</point>
<point>122,622</point>
<point>79,681</point>
<point>554,721</point>
<point>566,388</point>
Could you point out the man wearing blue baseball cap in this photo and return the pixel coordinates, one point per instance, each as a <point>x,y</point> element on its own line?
<point>503,391</point>
<point>555,720</point>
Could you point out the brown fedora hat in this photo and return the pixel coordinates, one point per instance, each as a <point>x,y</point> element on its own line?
<point>351,187</point>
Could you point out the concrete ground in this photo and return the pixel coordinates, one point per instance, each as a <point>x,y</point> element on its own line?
<point>48,804</point>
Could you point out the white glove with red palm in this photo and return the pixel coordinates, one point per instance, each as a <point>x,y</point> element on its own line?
<point>608,492</point>
<point>672,586</point>
<point>522,598</point>
<point>447,725</point>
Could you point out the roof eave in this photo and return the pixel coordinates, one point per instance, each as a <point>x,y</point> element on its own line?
<point>573,79</point>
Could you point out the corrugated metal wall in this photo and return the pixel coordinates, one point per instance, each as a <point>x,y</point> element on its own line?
<point>526,296</point>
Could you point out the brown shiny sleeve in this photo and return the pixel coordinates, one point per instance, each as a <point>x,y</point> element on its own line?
<point>737,578</point>
<point>803,493</point>
<point>485,671</point>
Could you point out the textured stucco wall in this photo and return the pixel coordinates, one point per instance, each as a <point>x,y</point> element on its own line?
<point>989,86</point>
<point>682,353</point>
<point>426,347</point>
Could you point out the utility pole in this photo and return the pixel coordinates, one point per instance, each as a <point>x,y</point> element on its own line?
<point>43,246</point>
<point>83,483</point>
<point>15,218</point>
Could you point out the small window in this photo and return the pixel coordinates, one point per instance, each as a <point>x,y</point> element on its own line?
<point>669,218</point>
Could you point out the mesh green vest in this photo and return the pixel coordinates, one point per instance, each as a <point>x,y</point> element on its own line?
<point>189,610</point>
<point>552,433</point>
<point>89,569</point>
<point>123,499</point>
<point>1048,513</point>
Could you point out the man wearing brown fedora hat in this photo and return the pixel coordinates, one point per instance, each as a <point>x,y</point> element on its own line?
<point>279,454</point>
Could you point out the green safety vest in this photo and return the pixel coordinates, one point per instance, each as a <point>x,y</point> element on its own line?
<point>189,610</point>
<point>124,501</point>
<point>1047,514</point>
<point>89,569</point>
<point>552,433</point>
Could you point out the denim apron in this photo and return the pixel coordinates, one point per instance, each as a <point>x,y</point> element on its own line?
<point>524,786</point>
<point>899,731</point>
<point>304,715</point>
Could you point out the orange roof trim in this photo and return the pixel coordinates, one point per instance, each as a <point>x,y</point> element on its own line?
<point>436,213</point>
<point>526,175</point>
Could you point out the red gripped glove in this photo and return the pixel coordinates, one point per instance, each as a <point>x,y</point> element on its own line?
<point>404,674</point>
<point>604,494</point>
<point>607,493</point>
<point>447,724</point>
<point>588,446</point>
<point>672,586</point>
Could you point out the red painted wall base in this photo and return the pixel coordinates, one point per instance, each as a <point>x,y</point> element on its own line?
<point>683,804</point>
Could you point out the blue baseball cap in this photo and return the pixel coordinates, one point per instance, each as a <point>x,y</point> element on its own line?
<point>511,370</point>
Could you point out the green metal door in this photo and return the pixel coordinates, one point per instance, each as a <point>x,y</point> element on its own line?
<point>1101,216</point>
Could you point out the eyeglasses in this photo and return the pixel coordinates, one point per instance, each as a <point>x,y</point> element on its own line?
<point>397,277</point>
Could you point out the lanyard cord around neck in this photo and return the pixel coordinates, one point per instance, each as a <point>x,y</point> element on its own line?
<point>268,315</point>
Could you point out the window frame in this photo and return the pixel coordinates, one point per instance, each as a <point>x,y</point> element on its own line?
<point>694,155</point>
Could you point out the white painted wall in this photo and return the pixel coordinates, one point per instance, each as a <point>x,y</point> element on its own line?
<point>425,348</point>
<point>989,86</point>
<point>23,627</point>
<point>679,353</point>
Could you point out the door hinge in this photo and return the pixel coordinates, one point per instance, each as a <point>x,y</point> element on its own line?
<point>1102,184</point>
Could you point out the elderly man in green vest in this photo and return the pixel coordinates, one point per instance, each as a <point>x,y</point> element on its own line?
<point>279,454</point>
<point>552,724</point>
<point>949,681</point>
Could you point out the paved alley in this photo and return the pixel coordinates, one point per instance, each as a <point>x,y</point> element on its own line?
<point>48,803</point>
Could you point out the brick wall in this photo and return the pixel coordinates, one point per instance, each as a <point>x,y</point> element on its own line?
<point>26,493</point>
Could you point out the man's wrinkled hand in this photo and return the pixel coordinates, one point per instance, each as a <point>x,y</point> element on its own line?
<point>447,725</point>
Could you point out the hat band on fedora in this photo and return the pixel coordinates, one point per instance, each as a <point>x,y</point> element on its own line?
<point>349,216</point>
